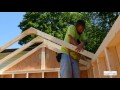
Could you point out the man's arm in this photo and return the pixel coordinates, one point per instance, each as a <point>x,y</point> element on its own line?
<point>74,42</point>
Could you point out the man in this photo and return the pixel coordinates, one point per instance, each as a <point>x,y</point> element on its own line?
<point>69,64</point>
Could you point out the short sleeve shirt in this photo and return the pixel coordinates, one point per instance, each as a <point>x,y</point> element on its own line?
<point>73,32</point>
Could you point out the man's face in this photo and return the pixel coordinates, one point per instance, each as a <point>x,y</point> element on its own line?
<point>80,29</point>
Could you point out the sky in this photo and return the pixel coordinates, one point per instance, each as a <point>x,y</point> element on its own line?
<point>9,29</point>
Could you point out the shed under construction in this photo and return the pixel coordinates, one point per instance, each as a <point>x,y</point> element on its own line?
<point>40,62</point>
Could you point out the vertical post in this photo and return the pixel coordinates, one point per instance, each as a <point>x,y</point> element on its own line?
<point>98,68</point>
<point>95,69</point>
<point>13,75</point>
<point>27,75</point>
<point>90,71</point>
<point>112,60</point>
<point>102,66</point>
<point>58,74</point>
<point>43,58</point>
<point>42,74</point>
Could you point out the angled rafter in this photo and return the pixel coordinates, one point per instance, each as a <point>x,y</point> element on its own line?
<point>22,58</point>
<point>21,49</point>
<point>61,42</point>
<point>57,48</point>
<point>22,35</point>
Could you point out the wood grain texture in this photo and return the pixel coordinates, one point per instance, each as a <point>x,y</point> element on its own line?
<point>50,61</point>
<point>29,63</point>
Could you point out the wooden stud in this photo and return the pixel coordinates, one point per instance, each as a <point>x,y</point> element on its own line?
<point>112,60</point>
<point>43,58</point>
<point>118,51</point>
<point>98,68</point>
<point>43,74</point>
<point>27,75</point>
<point>90,72</point>
<point>58,74</point>
<point>102,66</point>
<point>95,69</point>
<point>111,38</point>
<point>13,75</point>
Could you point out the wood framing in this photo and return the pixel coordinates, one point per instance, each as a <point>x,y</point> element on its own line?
<point>25,33</point>
<point>112,60</point>
<point>90,72</point>
<point>107,57</point>
<point>118,51</point>
<point>21,49</point>
<point>60,42</point>
<point>114,33</point>
<point>95,69</point>
<point>21,58</point>
<point>43,58</point>
<point>102,67</point>
<point>83,62</point>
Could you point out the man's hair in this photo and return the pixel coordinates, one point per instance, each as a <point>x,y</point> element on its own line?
<point>80,22</point>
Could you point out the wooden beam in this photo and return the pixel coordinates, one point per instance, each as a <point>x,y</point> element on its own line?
<point>58,51</point>
<point>58,74</point>
<point>43,75</point>
<point>115,41</point>
<point>29,32</point>
<point>57,48</point>
<point>83,62</point>
<point>112,61</point>
<point>90,72</point>
<point>27,75</point>
<point>113,34</point>
<point>13,75</point>
<point>102,66</point>
<point>95,69</point>
<point>98,69</point>
<point>25,33</point>
<point>118,51</point>
<point>35,71</point>
<point>53,49</point>
<point>43,58</point>
<point>20,50</point>
<point>52,46</point>
<point>12,42</point>
<point>62,43</point>
<point>31,71</point>
<point>21,58</point>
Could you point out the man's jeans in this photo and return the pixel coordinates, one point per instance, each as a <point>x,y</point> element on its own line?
<point>66,69</point>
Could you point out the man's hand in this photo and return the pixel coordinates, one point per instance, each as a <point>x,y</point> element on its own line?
<point>79,47</point>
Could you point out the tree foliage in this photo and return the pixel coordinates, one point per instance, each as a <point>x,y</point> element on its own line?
<point>55,23</point>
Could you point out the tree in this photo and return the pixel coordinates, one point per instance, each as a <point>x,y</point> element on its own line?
<point>103,20</point>
<point>54,23</point>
